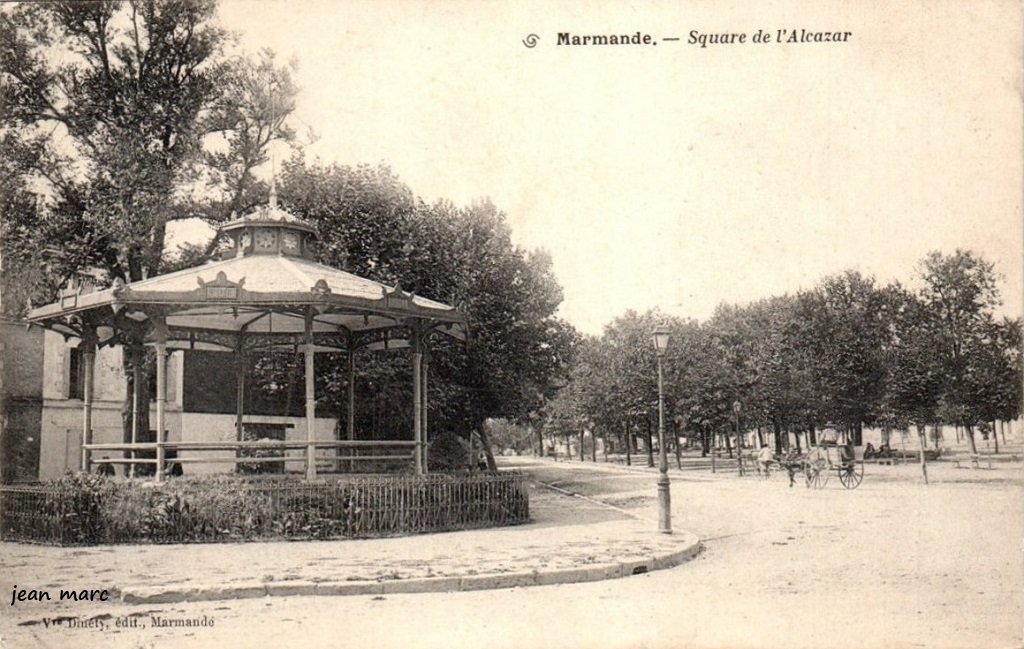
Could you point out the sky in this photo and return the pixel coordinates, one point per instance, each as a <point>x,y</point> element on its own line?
<point>673,175</point>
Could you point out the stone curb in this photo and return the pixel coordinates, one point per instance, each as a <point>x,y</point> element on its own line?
<point>248,590</point>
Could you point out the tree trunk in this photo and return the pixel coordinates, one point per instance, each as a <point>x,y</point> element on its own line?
<point>650,446</point>
<point>679,459</point>
<point>714,450</point>
<point>593,447</point>
<point>132,354</point>
<point>486,443</point>
<point>760,437</point>
<point>583,450</point>
<point>778,436</point>
<point>995,437</point>
<point>924,445</point>
<point>704,444</point>
<point>728,445</point>
<point>797,437</point>
<point>858,433</point>
<point>629,451</point>
<point>812,437</point>
<point>568,449</point>
<point>969,432</point>
<point>540,442</point>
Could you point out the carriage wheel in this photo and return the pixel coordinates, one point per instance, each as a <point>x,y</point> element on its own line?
<point>820,478</point>
<point>817,474</point>
<point>851,475</point>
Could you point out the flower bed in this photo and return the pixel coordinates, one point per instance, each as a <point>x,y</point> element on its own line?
<point>84,509</point>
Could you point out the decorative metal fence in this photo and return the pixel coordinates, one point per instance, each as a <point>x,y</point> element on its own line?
<point>87,509</point>
<point>34,513</point>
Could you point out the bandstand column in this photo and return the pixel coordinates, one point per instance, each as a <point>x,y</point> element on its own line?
<point>240,389</point>
<point>310,401</point>
<point>417,398</point>
<point>423,406</point>
<point>88,347</point>
<point>350,425</point>
<point>161,393</point>
<point>136,388</point>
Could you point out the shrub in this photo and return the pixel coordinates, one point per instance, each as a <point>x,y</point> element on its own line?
<point>447,453</point>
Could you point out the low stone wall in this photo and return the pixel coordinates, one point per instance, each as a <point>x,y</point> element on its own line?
<point>87,509</point>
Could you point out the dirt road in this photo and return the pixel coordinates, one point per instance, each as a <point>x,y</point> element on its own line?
<point>891,564</point>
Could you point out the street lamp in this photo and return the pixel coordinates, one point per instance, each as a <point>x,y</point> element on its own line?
<point>737,408</point>
<point>660,338</point>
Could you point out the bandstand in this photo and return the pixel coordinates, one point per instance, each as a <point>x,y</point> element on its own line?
<point>265,292</point>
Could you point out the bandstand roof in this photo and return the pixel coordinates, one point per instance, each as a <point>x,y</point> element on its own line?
<point>263,294</point>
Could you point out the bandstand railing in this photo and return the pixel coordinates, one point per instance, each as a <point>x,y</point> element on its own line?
<point>358,451</point>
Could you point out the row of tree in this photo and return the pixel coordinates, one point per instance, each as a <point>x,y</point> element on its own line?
<point>849,352</point>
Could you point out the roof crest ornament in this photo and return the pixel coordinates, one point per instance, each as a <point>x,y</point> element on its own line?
<point>320,290</point>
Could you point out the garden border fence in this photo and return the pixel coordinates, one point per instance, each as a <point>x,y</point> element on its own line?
<point>86,509</point>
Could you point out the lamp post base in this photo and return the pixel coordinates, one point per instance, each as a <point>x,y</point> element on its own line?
<point>664,505</point>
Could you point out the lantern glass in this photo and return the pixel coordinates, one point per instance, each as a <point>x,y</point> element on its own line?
<point>660,338</point>
<point>737,407</point>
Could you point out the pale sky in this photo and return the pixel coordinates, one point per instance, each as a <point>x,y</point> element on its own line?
<point>673,175</point>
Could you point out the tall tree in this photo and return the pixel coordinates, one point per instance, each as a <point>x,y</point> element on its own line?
<point>960,292</point>
<point>848,317</point>
<point>114,110</point>
<point>370,223</point>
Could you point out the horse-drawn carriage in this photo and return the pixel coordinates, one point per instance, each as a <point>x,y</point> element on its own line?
<point>819,462</point>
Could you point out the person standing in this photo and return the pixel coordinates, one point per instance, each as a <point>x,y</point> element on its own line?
<point>764,459</point>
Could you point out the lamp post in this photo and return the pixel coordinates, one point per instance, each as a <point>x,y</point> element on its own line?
<point>660,338</point>
<point>737,408</point>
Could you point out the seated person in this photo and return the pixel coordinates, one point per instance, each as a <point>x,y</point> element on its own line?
<point>845,452</point>
<point>105,468</point>
<point>829,437</point>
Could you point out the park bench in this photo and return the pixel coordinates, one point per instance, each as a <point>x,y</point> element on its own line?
<point>974,460</point>
<point>890,460</point>
<point>899,457</point>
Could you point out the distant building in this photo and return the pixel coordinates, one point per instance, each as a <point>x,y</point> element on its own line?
<point>21,399</point>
